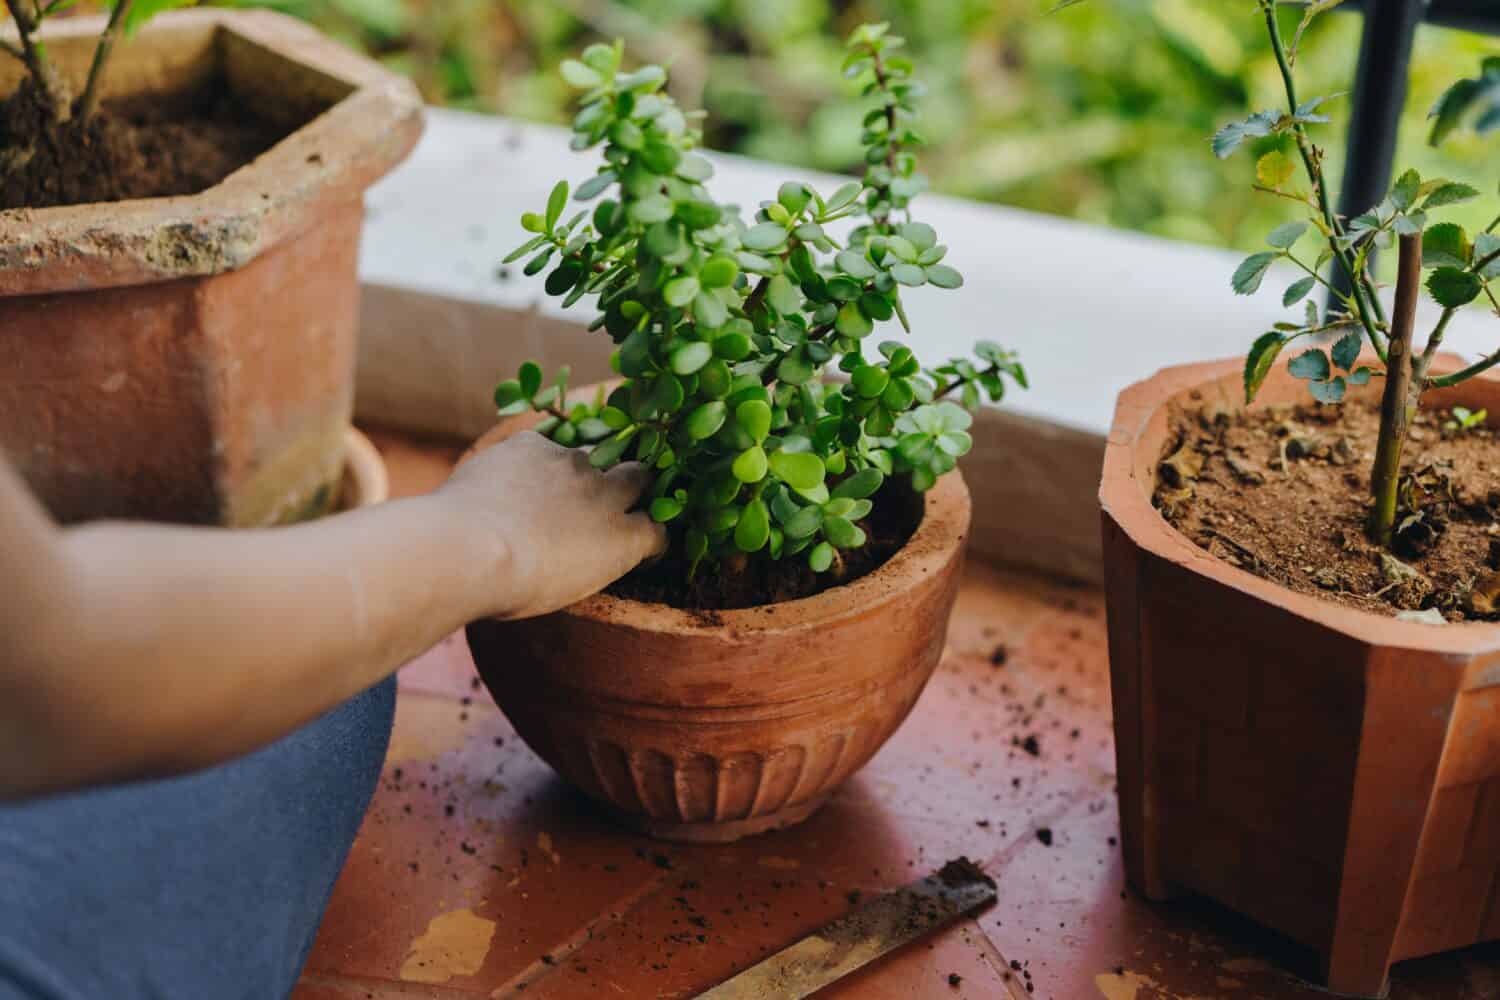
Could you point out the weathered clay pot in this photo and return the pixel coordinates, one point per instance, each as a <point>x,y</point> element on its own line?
<point>192,359</point>
<point>1331,773</point>
<point>710,726</point>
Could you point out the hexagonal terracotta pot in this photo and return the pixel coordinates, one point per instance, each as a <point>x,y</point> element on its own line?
<point>1331,773</point>
<point>192,359</point>
<point>709,726</point>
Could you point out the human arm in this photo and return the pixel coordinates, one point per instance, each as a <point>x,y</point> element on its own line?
<point>131,650</point>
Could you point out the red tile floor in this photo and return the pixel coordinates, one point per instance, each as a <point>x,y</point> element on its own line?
<point>477,873</point>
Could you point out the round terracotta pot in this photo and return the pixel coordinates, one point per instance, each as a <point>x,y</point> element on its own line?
<point>710,726</point>
<point>1329,772</point>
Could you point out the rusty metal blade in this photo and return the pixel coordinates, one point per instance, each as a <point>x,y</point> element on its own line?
<point>879,926</point>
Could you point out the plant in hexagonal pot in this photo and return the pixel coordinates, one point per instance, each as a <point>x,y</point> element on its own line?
<point>816,528</point>
<point>180,216</point>
<point>1301,592</point>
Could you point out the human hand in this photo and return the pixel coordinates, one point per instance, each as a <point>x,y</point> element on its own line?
<point>561,526</point>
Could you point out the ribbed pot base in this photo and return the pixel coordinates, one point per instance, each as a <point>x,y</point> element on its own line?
<point>722,833</point>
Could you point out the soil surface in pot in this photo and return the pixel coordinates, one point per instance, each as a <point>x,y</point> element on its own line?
<point>749,582</point>
<point>145,146</point>
<point>1283,492</point>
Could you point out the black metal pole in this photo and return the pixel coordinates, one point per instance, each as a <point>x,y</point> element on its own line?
<point>1379,97</point>
<point>1471,15</point>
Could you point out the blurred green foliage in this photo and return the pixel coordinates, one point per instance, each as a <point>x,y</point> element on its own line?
<point>1101,112</point>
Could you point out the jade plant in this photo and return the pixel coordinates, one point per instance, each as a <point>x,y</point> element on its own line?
<point>725,327</point>
<point>1457,268</point>
<point>125,16</point>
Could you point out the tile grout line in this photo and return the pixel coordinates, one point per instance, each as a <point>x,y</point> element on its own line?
<point>539,970</point>
<point>990,952</point>
<point>1000,859</point>
<point>395,989</point>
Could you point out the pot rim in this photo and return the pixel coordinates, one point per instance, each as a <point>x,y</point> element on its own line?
<point>366,131</point>
<point>1125,499</point>
<point>367,482</point>
<point>943,529</point>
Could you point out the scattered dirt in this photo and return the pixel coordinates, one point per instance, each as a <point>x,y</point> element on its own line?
<point>961,872</point>
<point>759,580</point>
<point>1283,493</point>
<point>146,146</point>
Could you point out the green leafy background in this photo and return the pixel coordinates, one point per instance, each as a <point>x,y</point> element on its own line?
<point>1101,112</point>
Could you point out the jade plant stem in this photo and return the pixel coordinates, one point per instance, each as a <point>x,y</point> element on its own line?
<point>1403,387</point>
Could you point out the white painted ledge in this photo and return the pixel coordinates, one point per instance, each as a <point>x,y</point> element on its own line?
<point>1090,309</point>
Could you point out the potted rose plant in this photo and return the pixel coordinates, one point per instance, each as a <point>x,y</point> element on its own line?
<point>1301,591</point>
<point>816,526</point>
<point>179,222</point>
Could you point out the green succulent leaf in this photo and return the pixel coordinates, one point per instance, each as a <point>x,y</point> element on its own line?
<point>705,421</point>
<point>664,509</point>
<point>718,271</point>
<point>799,470</point>
<point>750,465</point>
<point>579,75</point>
<point>854,264</point>
<point>870,381</point>
<point>556,202</point>
<point>783,296</point>
<point>944,276</point>
<point>843,533</point>
<point>864,483</point>
<point>680,291</point>
<point>852,322</point>
<point>754,418</point>
<point>753,530</point>
<point>764,237</point>
<point>609,452</point>
<point>530,379</point>
<point>691,357</point>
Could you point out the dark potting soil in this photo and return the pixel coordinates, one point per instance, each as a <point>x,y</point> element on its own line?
<point>756,580</point>
<point>1284,492</point>
<point>145,146</point>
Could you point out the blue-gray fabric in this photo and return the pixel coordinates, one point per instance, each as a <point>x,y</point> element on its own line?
<point>208,886</point>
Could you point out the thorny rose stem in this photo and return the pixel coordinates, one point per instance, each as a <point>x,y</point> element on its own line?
<point>1403,388</point>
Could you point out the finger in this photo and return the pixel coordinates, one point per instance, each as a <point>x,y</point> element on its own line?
<point>627,482</point>
<point>641,539</point>
<point>536,442</point>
